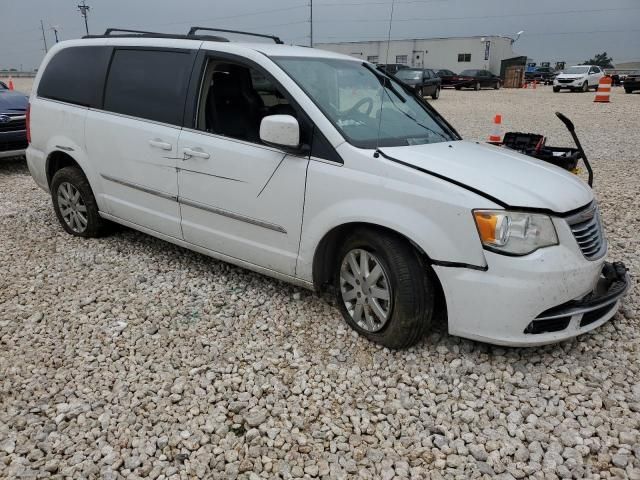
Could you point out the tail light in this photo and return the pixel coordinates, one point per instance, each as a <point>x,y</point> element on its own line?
<point>28,122</point>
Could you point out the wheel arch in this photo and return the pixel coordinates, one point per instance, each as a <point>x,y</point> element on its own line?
<point>324,257</point>
<point>56,160</point>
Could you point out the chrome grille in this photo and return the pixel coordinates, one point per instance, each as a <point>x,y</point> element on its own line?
<point>587,230</point>
<point>12,123</point>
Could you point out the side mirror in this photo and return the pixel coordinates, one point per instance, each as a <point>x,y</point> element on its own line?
<point>280,131</point>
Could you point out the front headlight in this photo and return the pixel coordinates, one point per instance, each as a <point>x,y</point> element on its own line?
<point>514,233</point>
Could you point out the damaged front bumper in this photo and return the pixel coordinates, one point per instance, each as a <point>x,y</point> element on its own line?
<point>589,311</point>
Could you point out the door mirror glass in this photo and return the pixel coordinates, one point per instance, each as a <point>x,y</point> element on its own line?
<point>280,131</point>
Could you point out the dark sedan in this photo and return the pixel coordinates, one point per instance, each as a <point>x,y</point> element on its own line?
<point>632,82</point>
<point>13,130</point>
<point>425,81</point>
<point>476,79</point>
<point>447,77</point>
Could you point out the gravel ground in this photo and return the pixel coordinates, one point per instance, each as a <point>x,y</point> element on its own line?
<point>128,357</point>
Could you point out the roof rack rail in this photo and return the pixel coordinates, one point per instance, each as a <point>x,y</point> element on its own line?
<point>121,32</point>
<point>193,30</point>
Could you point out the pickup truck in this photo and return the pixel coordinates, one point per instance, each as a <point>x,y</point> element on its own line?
<point>541,74</point>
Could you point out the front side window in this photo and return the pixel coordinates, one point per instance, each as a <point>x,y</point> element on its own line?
<point>235,98</point>
<point>369,108</point>
<point>149,84</point>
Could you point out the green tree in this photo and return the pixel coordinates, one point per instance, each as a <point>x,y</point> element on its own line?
<point>601,60</point>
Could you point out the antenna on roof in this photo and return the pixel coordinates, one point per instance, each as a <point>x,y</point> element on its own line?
<point>384,82</point>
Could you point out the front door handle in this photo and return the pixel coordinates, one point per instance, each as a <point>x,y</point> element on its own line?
<point>190,152</point>
<point>157,143</point>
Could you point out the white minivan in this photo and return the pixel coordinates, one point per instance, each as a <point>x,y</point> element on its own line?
<point>320,170</point>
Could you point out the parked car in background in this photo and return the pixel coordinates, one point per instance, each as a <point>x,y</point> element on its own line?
<point>425,81</point>
<point>578,78</point>
<point>392,68</point>
<point>318,183</point>
<point>476,79</point>
<point>446,76</point>
<point>13,131</point>
<point>632,82</point>
<point>541,74</point>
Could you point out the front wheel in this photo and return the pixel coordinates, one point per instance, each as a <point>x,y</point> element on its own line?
<point>384,289</point>
<point>585,87</point>
<point>628,90</point>
<point>556,89</point>
<point>476,87</point>
<point>436,94</point>
<point>75,205</point>
<point>497,86</point>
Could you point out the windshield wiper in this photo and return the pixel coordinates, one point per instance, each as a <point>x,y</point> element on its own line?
<point>385,82</point>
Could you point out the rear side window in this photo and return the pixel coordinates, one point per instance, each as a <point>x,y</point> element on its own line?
<point>150,84</point>
<point>76,75</point>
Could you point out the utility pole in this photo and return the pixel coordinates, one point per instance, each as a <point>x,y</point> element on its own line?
<point>84,11</point>
<point>311,23</point>
<point>44,38</point>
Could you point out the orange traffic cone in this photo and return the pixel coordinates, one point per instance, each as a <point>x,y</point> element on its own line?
<point>604,90</point>
<point>496,133</point>
<point>11,87</point>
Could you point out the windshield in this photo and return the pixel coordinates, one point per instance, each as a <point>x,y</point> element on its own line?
<point>576,70</point>
<point>351,95</point>
<point>407,74</point>
<point>469,73</point>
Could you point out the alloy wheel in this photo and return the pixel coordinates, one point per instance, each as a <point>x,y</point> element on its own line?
<point>366,290</point>
<point>72,207</point>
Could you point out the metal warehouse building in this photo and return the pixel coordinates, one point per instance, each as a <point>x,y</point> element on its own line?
<point>452,53</point>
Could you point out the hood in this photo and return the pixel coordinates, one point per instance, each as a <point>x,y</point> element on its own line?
<point>572,76</point>
<point>514,179</point>
<point>13,102</point>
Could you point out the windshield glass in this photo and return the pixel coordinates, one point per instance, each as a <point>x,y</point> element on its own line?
<point>407,74</point>
<point>576,70</point>
<point>352,96</point>
<point>469,73</point>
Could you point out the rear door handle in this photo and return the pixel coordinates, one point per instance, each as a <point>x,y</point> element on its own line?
<point>190,152</point>
<point>157,143</point>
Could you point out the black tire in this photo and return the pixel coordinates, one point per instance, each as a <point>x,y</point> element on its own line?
<point>458,88</point>
<point>585,87</point>
<point>628,90</point>
<point>476,87</point>
<point>556,89</point>
<point>436,93</point>
<point>95,225</point>
<point>411,286</point>
<point>497,86</point>
<point>420,92</point>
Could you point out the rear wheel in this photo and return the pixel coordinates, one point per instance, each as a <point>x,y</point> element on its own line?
<point>384,289</point>
<point>476,87</point>
<point>628,90</point>
<point>75,205</point>
<point>458,88</point>
<point>497,85</point>
<point>436,93</point>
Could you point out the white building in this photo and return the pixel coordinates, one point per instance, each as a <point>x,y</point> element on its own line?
<point>453,53</point>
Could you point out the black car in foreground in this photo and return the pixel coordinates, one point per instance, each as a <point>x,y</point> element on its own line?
<point>476,79</point>
<point>446,76</point>
<point>632,82</point>
<point>425,81</point>
<point>13,129</point>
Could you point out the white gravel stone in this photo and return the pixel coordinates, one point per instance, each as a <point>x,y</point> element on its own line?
<point>111,349</point>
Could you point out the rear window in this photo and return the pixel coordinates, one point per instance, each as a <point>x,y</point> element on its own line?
<point>149,84</point>
<point>76,75</point>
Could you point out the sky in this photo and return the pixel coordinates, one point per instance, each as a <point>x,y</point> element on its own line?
<point>569,30</point>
